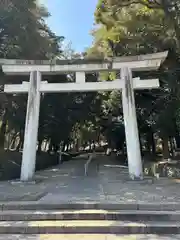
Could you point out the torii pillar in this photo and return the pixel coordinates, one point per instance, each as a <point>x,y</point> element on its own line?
<point>131,127</point>
<point>31,127</point>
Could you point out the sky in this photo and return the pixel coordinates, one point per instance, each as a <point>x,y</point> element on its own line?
<point>72,19</point>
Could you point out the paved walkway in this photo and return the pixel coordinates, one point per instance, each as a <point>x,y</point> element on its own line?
<point>89,237</point>
<point>105,183</point>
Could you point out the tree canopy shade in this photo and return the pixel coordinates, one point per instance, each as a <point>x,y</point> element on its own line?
<point>122,28</point>
<point>24,33</point>
<point>130,27</point>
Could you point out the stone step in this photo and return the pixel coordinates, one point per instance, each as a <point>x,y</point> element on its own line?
<point>77,206</point>
<point>88,227</point>
<point>89,214</point>
<point>89,237</point>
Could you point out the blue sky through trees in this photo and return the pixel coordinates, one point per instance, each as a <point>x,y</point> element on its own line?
<point>72,19</point>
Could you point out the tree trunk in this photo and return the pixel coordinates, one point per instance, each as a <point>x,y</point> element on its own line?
<point>55,147</point>
<point>153,144</point>
<point>140,143</point>
<point>40,141</point>
<point>2,134</point>
<point>21,140</point>
<point>148,143</point>
<point>177,138</point>
<point>9,137</point>
<point>19,145</point>
<point>93,145</point>
<point>170,14</point>
<point>172,147</point>
<point>39,146</point>
<point>13,141</point>
<point>98,138</point>
<point>89,145</point>
<point>77,146</point>
<point>165,146</point>
<point>45,145</point>
<point>63,146</point>
<point>68,147</point>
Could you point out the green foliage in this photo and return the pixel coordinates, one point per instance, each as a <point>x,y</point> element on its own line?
<point>127,27</point>
<point>123,27</point>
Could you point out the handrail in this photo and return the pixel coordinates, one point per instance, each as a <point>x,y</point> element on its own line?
<point>86,165</point>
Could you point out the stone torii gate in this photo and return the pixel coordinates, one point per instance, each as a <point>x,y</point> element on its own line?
<point>126,84</point>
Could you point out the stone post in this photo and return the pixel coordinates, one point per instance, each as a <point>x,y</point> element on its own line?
<point>31,128</point>
<point>131,128</point>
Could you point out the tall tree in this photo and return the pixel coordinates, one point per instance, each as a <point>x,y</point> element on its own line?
<point>23,34</point>
<point>140,27</point>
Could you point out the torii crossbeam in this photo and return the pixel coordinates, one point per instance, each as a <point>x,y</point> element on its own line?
<point>126,84</point>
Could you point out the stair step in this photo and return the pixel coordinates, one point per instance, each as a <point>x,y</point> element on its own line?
<point>89,214</point>
<point>89,237</point>
<point>88,227</point>
<point>76,206</point>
